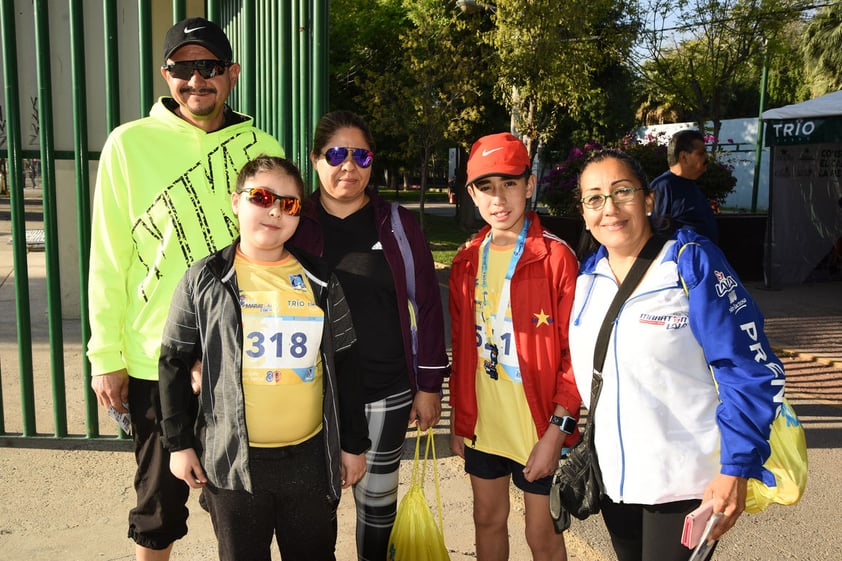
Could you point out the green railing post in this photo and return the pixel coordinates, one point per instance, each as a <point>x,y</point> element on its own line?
<point>179,10</point>
<point>112,120</point>
<point>13,142</point>
<point>285,121</point>
<point>83,205</point>
<point>294,149</point>
<point>758,152</point>
<point>53,270</point>
<point>144,35</point>
<point>2,414</point>
<point>248,79</point>
<point>112,65</point>
<point>304,75</point>
<point>213,10</point>
<point>321,87</point>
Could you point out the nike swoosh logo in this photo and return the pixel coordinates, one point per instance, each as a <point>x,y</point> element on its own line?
<point>487,152</point>
<point>192,29</point>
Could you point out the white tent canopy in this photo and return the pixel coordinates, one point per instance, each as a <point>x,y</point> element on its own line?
<point>828,105</point>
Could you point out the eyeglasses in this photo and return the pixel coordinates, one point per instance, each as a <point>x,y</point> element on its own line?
<point>338,154</point>
<point>183,69</point>
<point>264,198</point>
<point>620,196</point>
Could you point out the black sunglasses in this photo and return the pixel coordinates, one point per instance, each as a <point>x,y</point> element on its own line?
<point>183,69</point>
<point>265,198</point>
<point>338,154</point>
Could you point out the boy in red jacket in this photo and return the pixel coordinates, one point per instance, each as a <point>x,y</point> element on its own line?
<point>514,399</point>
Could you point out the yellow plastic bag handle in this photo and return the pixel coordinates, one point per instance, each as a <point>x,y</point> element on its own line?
<point>419,482</point>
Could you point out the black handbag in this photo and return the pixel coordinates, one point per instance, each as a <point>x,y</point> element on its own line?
<point>577,482</point>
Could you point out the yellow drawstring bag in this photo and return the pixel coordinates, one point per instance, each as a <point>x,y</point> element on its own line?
<point>415,535</point>
<point>787,462</point>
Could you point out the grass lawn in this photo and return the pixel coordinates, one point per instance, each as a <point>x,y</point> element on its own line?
<point>442,233</point>
<point>444,237</point>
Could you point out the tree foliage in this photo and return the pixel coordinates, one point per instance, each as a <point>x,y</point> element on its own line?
<point>432,90</point>
<point>822,49</point>
<point>551,53</point>
<point>366,35</point>
<point>711,51</point>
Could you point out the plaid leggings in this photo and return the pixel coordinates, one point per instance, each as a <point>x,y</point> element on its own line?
<point>376,494</point>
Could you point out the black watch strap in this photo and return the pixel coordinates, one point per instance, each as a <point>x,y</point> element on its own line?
<point>566,424</point>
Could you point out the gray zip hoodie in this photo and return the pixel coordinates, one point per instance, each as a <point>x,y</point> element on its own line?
<point>205,323</point>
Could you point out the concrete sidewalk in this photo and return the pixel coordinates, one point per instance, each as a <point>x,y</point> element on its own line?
<point>72,504</point>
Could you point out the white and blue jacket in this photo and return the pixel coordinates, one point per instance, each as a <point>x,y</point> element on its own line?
<point>664,425</point>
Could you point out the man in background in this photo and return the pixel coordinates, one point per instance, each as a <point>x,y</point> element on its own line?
<point>679,202</point>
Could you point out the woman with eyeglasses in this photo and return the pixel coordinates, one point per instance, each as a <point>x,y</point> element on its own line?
<point>400,336</point>
<point>690,384</point>
<point>277,438</point>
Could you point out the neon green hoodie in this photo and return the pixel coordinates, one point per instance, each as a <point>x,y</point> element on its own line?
<point>162,201</point>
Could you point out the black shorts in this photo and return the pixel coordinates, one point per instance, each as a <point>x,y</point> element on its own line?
<point>491,466</point>
<point>160,516</point>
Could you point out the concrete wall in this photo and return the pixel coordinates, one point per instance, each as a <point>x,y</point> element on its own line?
<point>62,106</point>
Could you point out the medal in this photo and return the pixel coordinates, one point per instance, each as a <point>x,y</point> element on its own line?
<point>491,363</point>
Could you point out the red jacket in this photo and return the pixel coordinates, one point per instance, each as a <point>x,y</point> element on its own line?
<point>544,280</point>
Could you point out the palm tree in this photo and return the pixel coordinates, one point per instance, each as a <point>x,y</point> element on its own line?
<point>822,49</point>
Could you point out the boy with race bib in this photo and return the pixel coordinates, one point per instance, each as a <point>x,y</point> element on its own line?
<point>273,332</point>
<point>514,398</point>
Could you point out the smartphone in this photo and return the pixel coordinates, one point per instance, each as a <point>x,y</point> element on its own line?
<point>694,525</point>
<point>705,544</point>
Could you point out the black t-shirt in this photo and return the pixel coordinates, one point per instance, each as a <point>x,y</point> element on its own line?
<point>352,249</point>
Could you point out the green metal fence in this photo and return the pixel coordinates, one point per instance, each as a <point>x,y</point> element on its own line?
<point>282,47</point>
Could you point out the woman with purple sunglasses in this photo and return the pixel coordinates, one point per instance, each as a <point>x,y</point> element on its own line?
<point>398,320</point>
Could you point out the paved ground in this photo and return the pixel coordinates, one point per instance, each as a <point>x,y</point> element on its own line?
<point>70,504</point>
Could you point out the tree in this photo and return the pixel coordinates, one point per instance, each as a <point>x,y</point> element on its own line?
<point>364,36</point>
<point>550,53</point>
<point>432,90</point>
<point>786,72</point>
<point>717,42</point>
<point>822,48</point>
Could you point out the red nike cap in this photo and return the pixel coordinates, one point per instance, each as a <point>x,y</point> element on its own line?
<point>499,154</point>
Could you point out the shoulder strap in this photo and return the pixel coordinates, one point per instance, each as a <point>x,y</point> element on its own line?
<point>409,268</point>
<point>638,269</point>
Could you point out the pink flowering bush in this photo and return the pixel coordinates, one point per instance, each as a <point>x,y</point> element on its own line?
<point>558,187</point>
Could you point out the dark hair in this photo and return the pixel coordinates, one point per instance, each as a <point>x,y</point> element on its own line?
<point>335,120</point>
<point>600,155</point>
<point>264,163</point>
<point>587,243</point>
<point>682,141</point>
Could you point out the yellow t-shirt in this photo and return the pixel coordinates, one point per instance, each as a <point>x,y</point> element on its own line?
<point>282,335</point>
<point>504,422</point>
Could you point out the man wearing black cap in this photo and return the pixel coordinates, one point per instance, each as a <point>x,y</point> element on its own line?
<point>162,201</point>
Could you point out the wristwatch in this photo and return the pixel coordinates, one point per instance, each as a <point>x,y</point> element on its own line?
<point>566,424</point>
